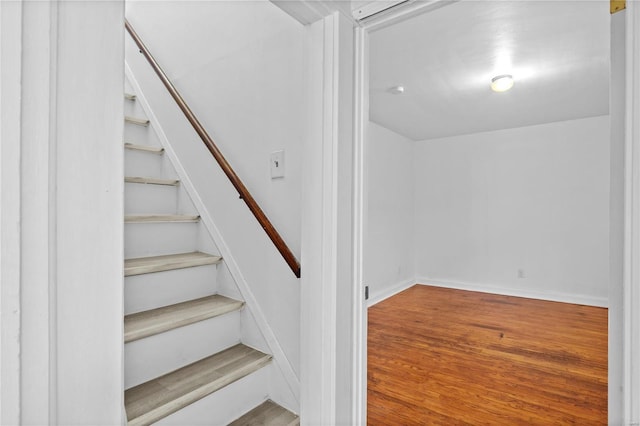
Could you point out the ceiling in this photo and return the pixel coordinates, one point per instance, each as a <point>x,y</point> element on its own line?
<point>557,52</point>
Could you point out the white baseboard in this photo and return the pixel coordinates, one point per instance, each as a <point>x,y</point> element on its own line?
<point>577,299</point>
<point>396,288</point>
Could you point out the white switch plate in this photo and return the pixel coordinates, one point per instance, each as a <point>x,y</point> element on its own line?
<point>277,164</point>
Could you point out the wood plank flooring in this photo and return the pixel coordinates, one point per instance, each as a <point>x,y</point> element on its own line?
<point>450,357</point>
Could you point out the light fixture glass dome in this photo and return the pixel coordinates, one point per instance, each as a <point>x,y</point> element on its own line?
<point>502,83</point>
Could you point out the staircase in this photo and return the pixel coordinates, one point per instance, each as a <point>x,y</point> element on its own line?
<point>185,362</point>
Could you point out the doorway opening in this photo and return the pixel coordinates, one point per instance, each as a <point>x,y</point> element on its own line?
<point>503,193</point>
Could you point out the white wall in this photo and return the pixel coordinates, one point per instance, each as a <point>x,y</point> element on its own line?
<point>89,200</point>
<point>532,199</point>
<point>10,238</point>
<point>62,198</point>
<point>240,66</point>
<point>389,206</point>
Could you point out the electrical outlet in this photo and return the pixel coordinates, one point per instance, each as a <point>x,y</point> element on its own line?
<point>520,273</point>
<point>277,164</point>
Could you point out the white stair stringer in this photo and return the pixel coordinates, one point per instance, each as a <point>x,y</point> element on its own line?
<point>283,375</point>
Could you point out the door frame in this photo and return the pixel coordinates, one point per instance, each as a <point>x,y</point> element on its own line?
<point>629,396</point>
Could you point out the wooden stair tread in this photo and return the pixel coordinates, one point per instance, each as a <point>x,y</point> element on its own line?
<point>146,265</point>
<point>153,218</point>
<point>155,321</point>
<point>145,148</point>
<point>136,120</point>
<point>268,414</point>
<point>157,398</point>
<point>151,181</point>
<point>129,96</point>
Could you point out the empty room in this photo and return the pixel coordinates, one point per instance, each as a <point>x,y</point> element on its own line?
<point>487,197</point>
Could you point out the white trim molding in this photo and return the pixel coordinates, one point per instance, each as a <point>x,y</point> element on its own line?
<point>61,186</point>
<point>390,291</point>
<point>310,11</point>
<point>616,217</point>
<point>371,8</point>
<point>317,305</point>
<point>631,283</point>
<point>401,11</point>
<point>327,228</point>
<point>10,187</point>
<point>360,319</point>
<point>601,302</point>
<point>38,212</point>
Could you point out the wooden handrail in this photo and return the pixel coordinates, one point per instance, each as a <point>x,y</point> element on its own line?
<point>226,167</point>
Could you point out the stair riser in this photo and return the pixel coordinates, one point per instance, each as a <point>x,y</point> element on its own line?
<point>150,291</point>
<point>133,108</point>
<point>135,133</point>
<point>141,163</point>
<point>153,239</point>
<point>128,88</point>
<point>225,405</point>
<point>158,199</point>
<point>154,356</point>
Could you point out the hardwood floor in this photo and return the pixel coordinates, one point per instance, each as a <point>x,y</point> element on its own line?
<point>451,357</point>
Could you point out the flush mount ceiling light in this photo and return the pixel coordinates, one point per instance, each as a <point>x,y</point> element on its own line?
<point>502,83</point>
<point>397,90</point>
